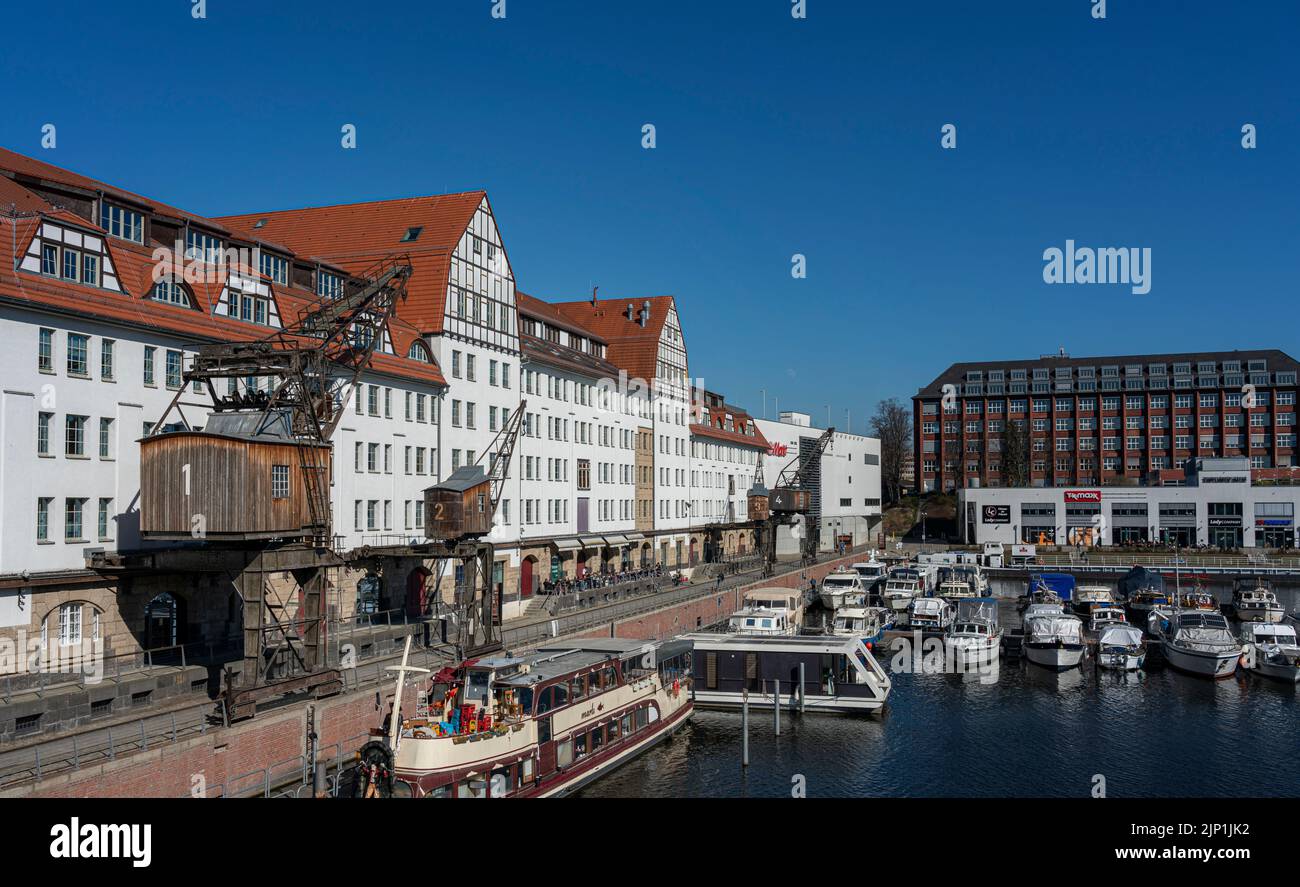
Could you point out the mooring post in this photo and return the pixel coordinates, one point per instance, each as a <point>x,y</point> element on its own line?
<point>744,728</point>
<point>776,705</point>
<point>802,692</point>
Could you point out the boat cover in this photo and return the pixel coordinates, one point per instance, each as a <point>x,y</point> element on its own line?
<point>1120,636</point>
<point>1267,633</point>
<point>1048,627</point>
<point>1061,583</point>
<point>978,609</point>
<point>1139,578</point>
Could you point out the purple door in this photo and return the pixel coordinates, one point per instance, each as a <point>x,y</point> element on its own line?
<point>583,508</point>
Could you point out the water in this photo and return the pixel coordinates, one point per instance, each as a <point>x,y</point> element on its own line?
<point>1032,733</point>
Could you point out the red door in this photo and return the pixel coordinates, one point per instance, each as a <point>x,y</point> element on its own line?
<point>526,578</point>
<point>415,593</point>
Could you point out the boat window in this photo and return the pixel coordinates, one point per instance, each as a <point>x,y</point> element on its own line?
<point>560,695</point>
<point>642,718</point>
<point>564,753</point>
<point>580,746</point>
<point>543,730</point>
<point>476,687</point>
<point>767,623</point>
<point>525,697</point>
<point>612,727</point>
<point>578,687</point>
<point>597,739</point>
<point>544,701</point>
<point>627,724</point>
<point>710,680</point>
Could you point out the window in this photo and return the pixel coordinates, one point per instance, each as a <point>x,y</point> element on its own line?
<point>105,438</point>
<point>72,518</point>
<point>74,435</point>
<point>205,247</point>
<point>77,355</point>
<point>106,360</point>
<point>279,481</point>
<point>69,625</point>
<point>120,222</point>
<point>49,259</point>
<point>148,365</point>
<point>43,519</point>
<point>329,285</point>
<point>275,267</point>
<point>105,512</point>
<point>90,269</point>
<point>173,369</point>
<point>45,351</point>
<point>419,352</point>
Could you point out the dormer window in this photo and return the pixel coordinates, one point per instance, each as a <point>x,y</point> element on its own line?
<point>122,222</point>
<point>204,247</point>
<point>171,292</point>
<point>419,352</point>
<point>329,285</point>
<point>275,267</point>
<point>412,234</point>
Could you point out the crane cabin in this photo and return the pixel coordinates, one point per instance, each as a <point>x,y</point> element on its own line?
<point>459,506</point>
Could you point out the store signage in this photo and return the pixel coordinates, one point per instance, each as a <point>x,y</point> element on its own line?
<point>996,514</point>
<point>1023,550</point>
<point>778,449</point>
<point>1225,521</point>
<point>1083,495</point>
<point>1272,521</point>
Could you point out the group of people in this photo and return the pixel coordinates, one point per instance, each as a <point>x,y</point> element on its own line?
<point>603,579</point>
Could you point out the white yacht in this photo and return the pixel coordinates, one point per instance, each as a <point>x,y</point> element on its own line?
<point>1053,637</point>
<point>776,611</point>
<point>1272,651</point>
<point>1102,616</point>
<point>902,584</point>
<point>1087,595</point>
<point>871,572</point>
<point>930,614</point>
<point>842,588</point>
<point>1254,601</point>
<point>962,581</point>
<point>974,637</point>
<point>1196,641</point>
<point>860,622</point>
<point>1120,647</point>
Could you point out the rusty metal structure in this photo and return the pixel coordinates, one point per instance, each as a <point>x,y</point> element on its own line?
<point>788,499</point>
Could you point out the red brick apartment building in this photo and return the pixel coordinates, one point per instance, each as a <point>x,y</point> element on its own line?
<point>1107,420</point>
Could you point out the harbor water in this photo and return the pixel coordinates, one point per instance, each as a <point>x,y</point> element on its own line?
<point>1029,733</point>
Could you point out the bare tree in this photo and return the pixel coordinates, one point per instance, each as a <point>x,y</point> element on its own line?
<point>1015,453</point>
<point>892,423</point>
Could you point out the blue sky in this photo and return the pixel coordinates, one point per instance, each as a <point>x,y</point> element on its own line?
<point>775,137</point>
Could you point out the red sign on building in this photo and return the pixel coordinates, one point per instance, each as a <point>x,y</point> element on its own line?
<point>1083,495</point>
<point>777,449</point>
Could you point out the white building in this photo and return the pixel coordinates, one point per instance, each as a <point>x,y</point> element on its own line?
<point>846,484</point>
<point>1218,506</point>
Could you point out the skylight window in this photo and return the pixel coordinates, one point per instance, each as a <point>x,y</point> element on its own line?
<point>412,234</point>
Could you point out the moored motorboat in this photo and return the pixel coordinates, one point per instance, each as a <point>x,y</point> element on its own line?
<point>974,638</point>
<point>761,620</point>
<point>933,614</point>
<point>871,573</point>
<point>1120,647</point>
<point>1048,588</point>
<point>842,588</point>
<point>1196,641</point>
<point>902,584</point>
<point>1087,595</point>
<point>1101,616</point>
<point>1253,600</point>
<point>860,622</point>
<point>1271,651</point>
<point>1142,591</point>
<point>961,581</point>
<point>1053,637</point>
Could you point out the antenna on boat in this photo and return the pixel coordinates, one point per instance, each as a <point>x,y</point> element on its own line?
<point>394,731</point>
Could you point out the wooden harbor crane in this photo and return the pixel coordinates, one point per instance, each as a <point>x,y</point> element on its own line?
<point>789,498</point>
<point>253,483</point>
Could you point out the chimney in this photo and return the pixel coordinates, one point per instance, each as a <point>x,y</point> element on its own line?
<point>593,296</point>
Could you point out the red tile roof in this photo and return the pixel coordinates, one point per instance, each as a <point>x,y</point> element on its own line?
<point>134,264</point>
<point>355,235</point>
<point>632,347</point>
<point>716,427</point>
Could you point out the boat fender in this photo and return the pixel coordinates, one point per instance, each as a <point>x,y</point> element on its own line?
<point>677,688</point>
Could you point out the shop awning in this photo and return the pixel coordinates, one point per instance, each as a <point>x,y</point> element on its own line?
<point>591,541</point>
<point>616,539</point>
<point>635,537</point>
<point>567,544</point>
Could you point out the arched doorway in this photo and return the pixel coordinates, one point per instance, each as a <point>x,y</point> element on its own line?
<point>693,554</point>
<point>417,593</point>
<point>164,621</point>
<point>367,595</point>
<point>527,577</point>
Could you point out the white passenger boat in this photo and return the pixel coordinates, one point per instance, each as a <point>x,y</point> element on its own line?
<point>974,637</point>
<point>1271,650</point>
<point>1087,595</point>
<point>1053,637</point>
<point>839,674</point>
<point>761,620</point>
<point>842,588</point>
<point>1119,647</point>
<point>786,602</point>
<point>1196,641</point>
<point>930,614</point>
<point>1253,600</point>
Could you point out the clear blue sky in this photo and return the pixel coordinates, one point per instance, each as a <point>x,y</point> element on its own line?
<point>775,137</point>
